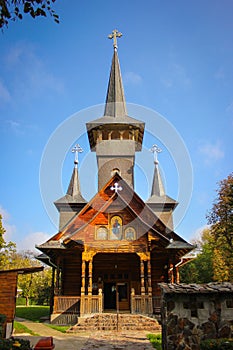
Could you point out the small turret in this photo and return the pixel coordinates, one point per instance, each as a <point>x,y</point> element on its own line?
<point>161,204</point>
<point>71,204</point>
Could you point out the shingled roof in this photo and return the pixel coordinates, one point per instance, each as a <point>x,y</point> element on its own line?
<point>102,202</point>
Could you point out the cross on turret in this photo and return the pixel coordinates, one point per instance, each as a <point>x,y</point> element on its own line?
<point>116,187</point>
<point>76,149</point>
<point>114,35</point>
<point>155,150</point>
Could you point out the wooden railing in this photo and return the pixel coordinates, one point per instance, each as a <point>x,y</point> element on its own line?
<point>156,300</point>
<point>66,304</point>
<point>91,304</point>
<point>141,304</point>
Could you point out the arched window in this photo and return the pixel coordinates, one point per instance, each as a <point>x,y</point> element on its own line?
<point>102,233</point>
<point>115,135</point>
<point>130,233</point>
<point>115,171</point>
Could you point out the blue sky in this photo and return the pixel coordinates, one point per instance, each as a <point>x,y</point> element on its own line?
<point>176,59</point>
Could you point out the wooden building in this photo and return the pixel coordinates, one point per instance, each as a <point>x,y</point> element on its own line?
<point>8,292</point>
<point>111,253</point>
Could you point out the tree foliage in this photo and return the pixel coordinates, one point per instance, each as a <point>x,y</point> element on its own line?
<point>35,286</point>
<point>15,9</point>
<point>201,269</point>
<point>6,248</point>
<point>221,220</point>
<point>215,262</point>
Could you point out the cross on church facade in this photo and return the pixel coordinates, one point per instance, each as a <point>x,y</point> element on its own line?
<point>116,188</point>
<point>114,35</point>
<point>76,149</point>
<point>155,150</point>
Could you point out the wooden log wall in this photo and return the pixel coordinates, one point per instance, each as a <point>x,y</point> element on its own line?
<point>71,273</point>
<point>8,291</point>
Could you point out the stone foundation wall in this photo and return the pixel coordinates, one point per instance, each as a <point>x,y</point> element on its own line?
<point>191,313</point>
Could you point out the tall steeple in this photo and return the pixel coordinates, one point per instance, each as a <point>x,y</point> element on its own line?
<point>115,105</point>
<point>115,137</point>
<point>70,204</point>
<point>159,202</point>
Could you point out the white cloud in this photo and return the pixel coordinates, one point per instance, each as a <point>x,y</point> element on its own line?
<point>212,152</point>
<point>132,78</point>
<point>14,126</point>
<point>32,239</point>
<point>8,226</point>
<point>28,242</point>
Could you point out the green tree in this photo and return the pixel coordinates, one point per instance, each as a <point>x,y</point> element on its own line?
<point>220,219</point>
<point>7,250</point>
<point>43,286</point>
<point>14,9</point>
<point>201,269</point>
<point>2,231</point>
<point>26,283</point>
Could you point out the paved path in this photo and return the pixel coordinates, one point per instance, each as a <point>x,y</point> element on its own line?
<point>89,340</point>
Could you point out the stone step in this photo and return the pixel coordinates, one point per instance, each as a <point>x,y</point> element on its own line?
<point>111,322</point>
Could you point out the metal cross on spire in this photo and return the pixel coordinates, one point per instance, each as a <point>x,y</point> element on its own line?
<point>116,187</point>
<point>155,150</point>
<point>114,35</point>
<point>76,149</point>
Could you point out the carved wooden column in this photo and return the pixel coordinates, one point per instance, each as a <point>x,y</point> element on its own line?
<point>142,277</point>
<point>174,272</point>
<point>149,277</point>
<point>133,306</point>
<point>83,276</point>
<point>150,302</point>
<point>177,275</point>
<point>57,281</point>
<point>90,277</point>
<point>100,304</point>
<point>52,292</point>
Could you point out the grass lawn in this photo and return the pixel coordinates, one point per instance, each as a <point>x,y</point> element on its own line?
<point>32,313</point>
<point>62,329</point>
<point>156,340</point>
<point>20,328</point>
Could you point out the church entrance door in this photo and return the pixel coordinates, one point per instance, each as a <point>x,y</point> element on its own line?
<point>110,296</point>
<point>116,296</point>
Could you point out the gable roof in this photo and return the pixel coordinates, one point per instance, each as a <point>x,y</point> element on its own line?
<point>102,202</point>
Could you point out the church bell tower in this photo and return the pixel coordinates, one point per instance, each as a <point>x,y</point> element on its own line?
<point>115,137</point>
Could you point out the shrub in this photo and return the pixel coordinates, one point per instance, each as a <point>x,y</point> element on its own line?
<point>217,344</point>
<point>13,344</point>
<point>156,340</point>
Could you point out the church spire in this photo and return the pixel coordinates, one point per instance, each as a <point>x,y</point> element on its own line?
<point>159,202</point>
<point>73,201</point>
<point>115,105</point>
<point>157,185</point>
<point>74,186</point>
<point>115,137</point>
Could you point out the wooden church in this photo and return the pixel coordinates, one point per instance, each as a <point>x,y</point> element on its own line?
<point>111,253</point>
